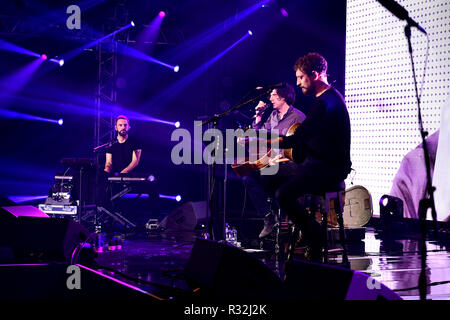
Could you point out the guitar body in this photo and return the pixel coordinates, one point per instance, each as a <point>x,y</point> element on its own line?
<point>246,167</point>
<point>242,168</point>
<point>288,153</point>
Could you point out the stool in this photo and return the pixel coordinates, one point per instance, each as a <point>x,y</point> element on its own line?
<point>322,200</point>
<point>336,197</point>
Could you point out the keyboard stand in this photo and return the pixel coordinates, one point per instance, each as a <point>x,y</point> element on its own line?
<point>117,216</point>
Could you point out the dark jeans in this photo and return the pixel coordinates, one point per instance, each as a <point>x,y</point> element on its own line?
<point>311,176</point>
<point>259,188</point>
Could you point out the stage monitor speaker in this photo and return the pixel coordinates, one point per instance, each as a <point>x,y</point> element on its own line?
<point>34,236</point>
<point>224,272</point>
<point>185,217</point>
<point>61,282</point>
<point>313,281</point>
<point>22,211</point>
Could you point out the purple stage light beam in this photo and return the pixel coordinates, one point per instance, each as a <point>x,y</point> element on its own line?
<point>193,45</point>
<point>132,52</point>
<point>4,113</point>
<point>7,46</point>
<point>21,199</point>
<point>73,53</point>
<point>16,81</point>
<point>176,198</point>
<point>149,35</point>
<point>170,92</point>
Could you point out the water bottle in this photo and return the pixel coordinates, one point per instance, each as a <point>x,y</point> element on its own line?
<point>233,236</point>
<point>227,232</point>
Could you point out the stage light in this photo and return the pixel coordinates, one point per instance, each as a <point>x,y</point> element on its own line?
<point>175,198</point>
<point>60,122</point>
<point>250,32</point>
<point>391,209</point>
<point>132,23</point>
<point>59,62</point>
<point>284,12</point>
<point>151,178</point>
<point>176,68</point>
<point>384,201</point>
<point>177,124</point>
<point>43,56</point>
<point>162,14</point>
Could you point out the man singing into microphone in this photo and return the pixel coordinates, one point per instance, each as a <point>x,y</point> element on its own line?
<point>124,154</point>
<point>283,116</point>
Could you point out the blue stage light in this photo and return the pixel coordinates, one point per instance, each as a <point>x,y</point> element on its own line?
<point>177,124</point>
<point>250,32</point>
<point>132,24</point>
<point>178,198</point>
<point>176,68</point>
<point>60,122</point>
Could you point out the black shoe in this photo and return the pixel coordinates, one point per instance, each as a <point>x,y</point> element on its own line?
<point>269,222</point>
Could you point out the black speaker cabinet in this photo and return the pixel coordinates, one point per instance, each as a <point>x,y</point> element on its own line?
<point>33,236</point>
<point>313,281</point>
<point>185,217</point>
<point>224,272</point>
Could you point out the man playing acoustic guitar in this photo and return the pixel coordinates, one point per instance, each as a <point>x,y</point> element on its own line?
<point>283,116</point>
<point>321,147</point>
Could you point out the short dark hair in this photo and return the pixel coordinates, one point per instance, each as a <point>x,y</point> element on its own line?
<point>121,117</point>
<point>288,93</point>
<point>311,62</point>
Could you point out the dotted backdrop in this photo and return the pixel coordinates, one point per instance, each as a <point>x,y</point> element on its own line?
<point>379,88</point>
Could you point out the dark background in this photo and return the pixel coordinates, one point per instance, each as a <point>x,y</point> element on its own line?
<point>31,150</point>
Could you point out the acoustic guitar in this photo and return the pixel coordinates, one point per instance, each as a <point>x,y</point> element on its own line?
<point>245,167</point>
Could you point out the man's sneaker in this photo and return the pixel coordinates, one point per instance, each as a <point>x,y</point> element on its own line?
<point>269,222</point>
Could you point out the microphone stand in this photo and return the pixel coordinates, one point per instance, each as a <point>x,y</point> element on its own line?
<point>427,202</point>
<point>215,121</point>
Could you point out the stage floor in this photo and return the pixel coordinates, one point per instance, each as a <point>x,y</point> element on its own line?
<point>160,258</point>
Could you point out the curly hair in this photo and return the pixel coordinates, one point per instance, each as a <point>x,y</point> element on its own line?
<point>311,62</point>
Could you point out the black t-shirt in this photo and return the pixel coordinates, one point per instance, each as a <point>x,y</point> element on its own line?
<point>122,153</point>
<point>325,133</point>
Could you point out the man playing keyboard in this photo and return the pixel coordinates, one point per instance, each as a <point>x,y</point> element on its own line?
<point>125,153</point>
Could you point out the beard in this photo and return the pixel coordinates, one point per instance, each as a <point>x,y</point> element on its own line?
<point>308,91</point>
<point>123,133</point>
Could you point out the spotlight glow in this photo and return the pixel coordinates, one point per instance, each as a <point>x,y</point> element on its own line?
<point>60,122</point>
<point>162,14</point>
<point>284,12</point>
<point>175,198</point>
<point>43,56</point>
<point>132,23</point>
<point>250,32</point>
<point>60,62</point>
<point>177,124</point>
<point>384,201</point>
<point>176,68</point>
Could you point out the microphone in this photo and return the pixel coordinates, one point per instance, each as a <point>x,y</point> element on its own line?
<point>273,86</point>
<point>262,110</point>
<point>400,12</point>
